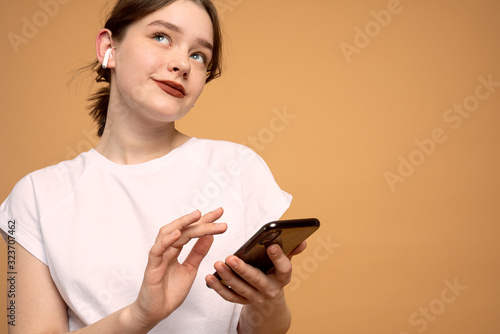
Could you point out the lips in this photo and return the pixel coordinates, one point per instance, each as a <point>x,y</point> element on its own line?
<point>173,88</point>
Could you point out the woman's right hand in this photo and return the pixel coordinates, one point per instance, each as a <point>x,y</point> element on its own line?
<point>166,281</point>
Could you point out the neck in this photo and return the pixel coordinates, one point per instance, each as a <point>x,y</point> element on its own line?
<point>123,145</point>
<point>134,136</point>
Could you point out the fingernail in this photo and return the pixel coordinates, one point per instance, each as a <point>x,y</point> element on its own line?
<point>233,264</point>
<point>194,213</point>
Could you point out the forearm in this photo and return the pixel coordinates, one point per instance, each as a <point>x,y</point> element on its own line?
<point>122,321</point>
<point>273,316</point>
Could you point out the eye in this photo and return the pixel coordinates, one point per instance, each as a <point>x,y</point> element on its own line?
<point>162,38</point>
<point>199,57</point>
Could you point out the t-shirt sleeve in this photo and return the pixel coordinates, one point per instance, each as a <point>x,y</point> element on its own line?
<point>264,200</point>
<point>19,219</point>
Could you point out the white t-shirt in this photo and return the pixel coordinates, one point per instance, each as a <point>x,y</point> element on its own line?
<point>93,222</point>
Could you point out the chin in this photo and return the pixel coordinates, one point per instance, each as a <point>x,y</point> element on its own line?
<point>169,114</point>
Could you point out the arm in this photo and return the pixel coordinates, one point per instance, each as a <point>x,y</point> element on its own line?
<point>265,309</point>
<point>271,314</point>
<point>39,306</point>
<point>166,283</point>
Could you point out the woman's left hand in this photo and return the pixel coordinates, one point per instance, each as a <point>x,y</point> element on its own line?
<point>253,286</point>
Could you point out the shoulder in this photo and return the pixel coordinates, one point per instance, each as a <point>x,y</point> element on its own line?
<point>42,190</point>
<point>64,172</point>
<point>236,159</point>
<point>51,180</point>
<point>223,149</point>
<point>214,144</point>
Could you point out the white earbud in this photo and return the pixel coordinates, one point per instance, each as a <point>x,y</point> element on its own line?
<point>106,58</point>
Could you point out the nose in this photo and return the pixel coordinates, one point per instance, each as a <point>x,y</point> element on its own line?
<point>179,63</point>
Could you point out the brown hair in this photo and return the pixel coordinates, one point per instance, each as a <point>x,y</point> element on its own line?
<point>121,17</point>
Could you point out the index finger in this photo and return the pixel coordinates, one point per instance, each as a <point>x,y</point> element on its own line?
<point>178,224</point>
<point>185,221</point>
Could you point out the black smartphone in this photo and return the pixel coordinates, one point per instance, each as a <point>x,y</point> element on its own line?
<point>286,233</point>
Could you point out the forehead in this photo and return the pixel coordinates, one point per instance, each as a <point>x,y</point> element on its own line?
<point>191,19</point>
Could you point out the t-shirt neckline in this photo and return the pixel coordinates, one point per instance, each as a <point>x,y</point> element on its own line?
<point>103,161</point>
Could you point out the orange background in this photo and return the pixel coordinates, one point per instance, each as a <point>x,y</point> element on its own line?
<point>386,252</point>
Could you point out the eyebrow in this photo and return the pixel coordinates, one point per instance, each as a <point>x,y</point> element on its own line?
<point>173,27</point>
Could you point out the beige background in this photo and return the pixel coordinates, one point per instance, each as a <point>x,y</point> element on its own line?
<point>386,252</point>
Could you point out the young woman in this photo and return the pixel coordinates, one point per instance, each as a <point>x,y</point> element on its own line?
<point>114,240</point>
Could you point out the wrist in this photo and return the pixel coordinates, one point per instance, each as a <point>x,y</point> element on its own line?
<point>272,316</point>
<point>273,306</point>
<point>131,322</point>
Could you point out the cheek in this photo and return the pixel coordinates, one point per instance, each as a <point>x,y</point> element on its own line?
<point>199,78</point>
<point>137,57</point>
<point>134,71</point>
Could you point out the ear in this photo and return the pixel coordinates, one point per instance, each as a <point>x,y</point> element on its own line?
<point>104,42</point>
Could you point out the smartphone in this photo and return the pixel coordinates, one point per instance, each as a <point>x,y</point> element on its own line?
<point>286,233</point>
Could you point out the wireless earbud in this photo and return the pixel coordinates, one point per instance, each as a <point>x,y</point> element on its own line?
<point>106,58</point>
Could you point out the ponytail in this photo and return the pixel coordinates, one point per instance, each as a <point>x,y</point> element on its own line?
<point>99,101</point>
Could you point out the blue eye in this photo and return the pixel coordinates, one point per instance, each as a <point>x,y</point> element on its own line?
<point>162,38</point>
<point>199,58</point>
